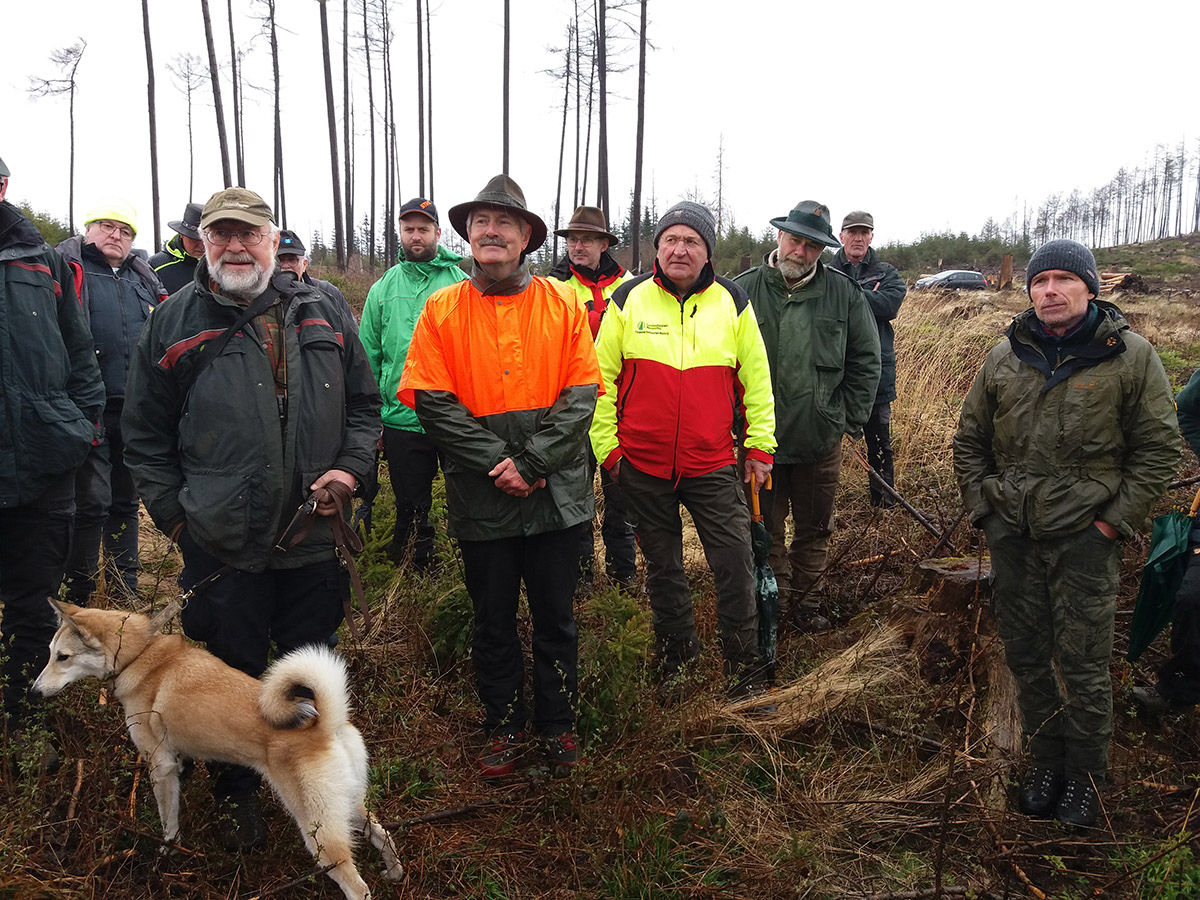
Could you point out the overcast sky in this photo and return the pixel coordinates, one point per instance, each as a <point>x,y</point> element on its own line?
<point>931,115</point>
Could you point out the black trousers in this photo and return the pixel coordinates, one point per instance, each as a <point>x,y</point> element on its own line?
<point>548,564</point>
<point>241,614</point>
<point>1179,677</point>
<point>412,466</point>
<point>106,503</point>
<point>616,530</point>
<point>878,434</point>
<point>34,540</point>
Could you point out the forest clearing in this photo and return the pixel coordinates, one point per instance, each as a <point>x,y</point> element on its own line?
<point>883,772</point>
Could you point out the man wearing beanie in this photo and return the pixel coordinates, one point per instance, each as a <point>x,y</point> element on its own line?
<point>1065,441</point>
<point>824,350</point>
<point>680,352</point>
<point>117,290</point>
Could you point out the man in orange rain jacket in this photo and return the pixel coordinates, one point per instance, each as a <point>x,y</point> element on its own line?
<point>502,374</point>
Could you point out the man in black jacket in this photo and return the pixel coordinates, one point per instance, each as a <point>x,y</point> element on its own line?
<point>51,396</point>
<point>175,264</point>
<point>884,289</point>
<point>117,291</point>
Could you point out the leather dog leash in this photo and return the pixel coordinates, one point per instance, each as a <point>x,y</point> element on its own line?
<point>346,543</point>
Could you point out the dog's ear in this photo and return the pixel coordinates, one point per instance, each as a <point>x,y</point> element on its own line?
<point>64,612</point>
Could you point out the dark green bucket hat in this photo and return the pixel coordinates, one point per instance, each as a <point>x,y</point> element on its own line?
<point>810,220</point>
<point>500,191</point>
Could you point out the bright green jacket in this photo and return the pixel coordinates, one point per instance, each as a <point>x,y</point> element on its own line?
<point>389,315</point>
<point>1050,442</point>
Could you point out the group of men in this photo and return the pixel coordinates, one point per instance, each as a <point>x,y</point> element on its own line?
<point>251,389</point>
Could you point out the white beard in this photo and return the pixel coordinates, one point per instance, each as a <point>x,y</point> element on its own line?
<point>794,271</point>
<point>240,284</point>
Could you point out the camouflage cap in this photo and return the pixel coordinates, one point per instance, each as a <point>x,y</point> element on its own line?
<point>238,204</point>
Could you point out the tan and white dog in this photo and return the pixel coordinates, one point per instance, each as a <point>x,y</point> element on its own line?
<point>181,701</point>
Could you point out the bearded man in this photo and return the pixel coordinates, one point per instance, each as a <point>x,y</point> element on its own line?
<point>249,390</point>
<point>823,348</point>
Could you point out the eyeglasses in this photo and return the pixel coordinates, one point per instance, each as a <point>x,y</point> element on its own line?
<point>691,244</point>
<point>587,241</point>
<point>219,238</point>
<point>122,231</point>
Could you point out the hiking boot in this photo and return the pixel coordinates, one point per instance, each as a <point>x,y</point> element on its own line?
<point>500,754</point>
<point>807,619</point>
<point>1039,792</point>
<point>754,690</point>
<point>1079,804</point>
<point>562,752</point>
<point>241,825</point>
<point>1151,701</point>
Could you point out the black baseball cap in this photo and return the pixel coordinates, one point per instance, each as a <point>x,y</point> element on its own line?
<point>290,244</point>
<point>422,206</point>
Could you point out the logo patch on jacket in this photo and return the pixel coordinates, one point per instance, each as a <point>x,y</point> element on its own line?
<point>652,328</point>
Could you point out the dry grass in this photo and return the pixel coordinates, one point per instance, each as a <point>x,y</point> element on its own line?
<point>867,779</point>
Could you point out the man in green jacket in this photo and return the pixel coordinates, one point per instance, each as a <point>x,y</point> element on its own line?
<point>389,316</point>
<point>823,347</point>
<point>884,289</point>
<point>1066,439</point>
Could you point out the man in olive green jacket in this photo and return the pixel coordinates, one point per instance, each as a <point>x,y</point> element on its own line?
<point>1065,441</point>
<point>823,348</point>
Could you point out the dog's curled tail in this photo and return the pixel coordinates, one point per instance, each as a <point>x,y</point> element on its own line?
<point>306,687</point>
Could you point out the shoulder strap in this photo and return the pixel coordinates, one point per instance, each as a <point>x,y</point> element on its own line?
<point>212,349</point>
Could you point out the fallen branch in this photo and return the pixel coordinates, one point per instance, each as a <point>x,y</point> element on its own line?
<point>879,557</point>
<point>75,793</point>
<point>953,890</point>
<point>878,482</point>
<point>296,882</point>
<point>438,816</point>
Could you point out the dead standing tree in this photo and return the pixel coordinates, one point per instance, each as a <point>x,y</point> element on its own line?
<point>507,37</point>
<point>562,146</point>
<point>421,104</point>
<point>339,243</point>
<point>239,153</point>
<point>153,124</point>
<point>366,34</point>
<point>215,76</point>
<point>189,73</point>
<point>66,61</point>
<point>635,215</point>
<point>347,129</point>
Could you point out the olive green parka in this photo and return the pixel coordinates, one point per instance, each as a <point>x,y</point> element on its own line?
<point>1051,445</point>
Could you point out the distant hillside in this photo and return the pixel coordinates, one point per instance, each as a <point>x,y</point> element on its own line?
<point>1172,263</point>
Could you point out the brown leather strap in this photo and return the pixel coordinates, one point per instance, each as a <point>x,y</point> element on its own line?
<point>346,543</point>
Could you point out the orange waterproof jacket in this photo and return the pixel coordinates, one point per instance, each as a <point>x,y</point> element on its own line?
<point>493,376</point>
<point>681,370</point>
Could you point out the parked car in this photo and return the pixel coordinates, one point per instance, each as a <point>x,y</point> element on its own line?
<point>952,280</point>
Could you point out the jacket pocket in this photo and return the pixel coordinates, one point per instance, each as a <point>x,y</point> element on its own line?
<point>55,433</point>
<point>217,509</point>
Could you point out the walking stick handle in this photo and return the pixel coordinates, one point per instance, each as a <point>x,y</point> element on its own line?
<point>756,509</point>
<point>1195,504</point>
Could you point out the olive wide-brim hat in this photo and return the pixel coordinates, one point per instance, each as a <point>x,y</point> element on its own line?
<point>500,191</point>
<point>809,219</point>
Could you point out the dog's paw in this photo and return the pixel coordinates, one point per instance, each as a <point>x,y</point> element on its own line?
<point>394,872</point>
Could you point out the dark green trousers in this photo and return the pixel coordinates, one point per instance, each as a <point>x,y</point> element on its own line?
<point>1055,601</point>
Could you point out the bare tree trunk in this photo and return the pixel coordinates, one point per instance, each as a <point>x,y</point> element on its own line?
<point>153,125</point>
<point>587,143</point>
<point>420,104</point>
<point>639,140</point>
<point>429,91</point>
<point>720,183</point>
<point>562,144</point>
<point>331,114</point>
<point>347,129</point>
<point>602,69</point>
<point>371,111</point>
<point>239,153</point>
<point>578,106</point>
<point>215,75</point>
<point>389,183</point>
<point>66,61</point>
<point>280,196</point>
<point>507,36</point>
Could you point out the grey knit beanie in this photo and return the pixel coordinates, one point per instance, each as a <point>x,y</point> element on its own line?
<point>1070,256</point>
<point>693,215</point>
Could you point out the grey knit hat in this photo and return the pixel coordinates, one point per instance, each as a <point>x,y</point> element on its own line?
<point>694,216</point>
<point>1069,256</point>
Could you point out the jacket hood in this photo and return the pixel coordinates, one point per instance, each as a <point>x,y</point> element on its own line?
<point>443,259</point>
<point>18,235</point>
